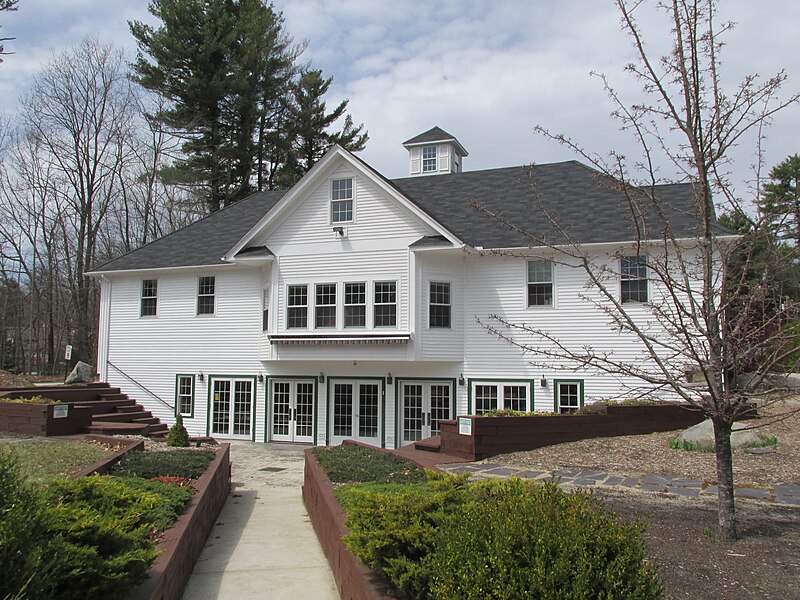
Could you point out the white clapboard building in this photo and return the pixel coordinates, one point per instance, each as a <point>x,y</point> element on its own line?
<point>353,306</point>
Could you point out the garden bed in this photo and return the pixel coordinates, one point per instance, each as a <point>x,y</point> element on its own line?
<point>491,436</point>
<point>43,419</point>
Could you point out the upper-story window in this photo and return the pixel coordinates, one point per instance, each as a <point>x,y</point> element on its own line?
<point>265,309</point>
<point>428,159</point>
<point>633,279</point>
<point>149,300</point>
<point>540,283</point>
<point>297,307</point>
<point>439,306</point>
<point>206,289</point>
<point>342,200</point>
<point>355,304</point>
<point>325,305</point>
<point>385,304</point>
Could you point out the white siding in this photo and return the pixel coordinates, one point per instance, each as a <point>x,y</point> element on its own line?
<point>441,343</point>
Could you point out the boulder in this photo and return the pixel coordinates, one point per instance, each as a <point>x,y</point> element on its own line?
<point>82,373</point>
<point>702,435</point>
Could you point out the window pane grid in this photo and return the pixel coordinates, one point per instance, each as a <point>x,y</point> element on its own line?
<point>428,159</point>
<point>633,276</point>
<point>440,406</point>
<point>205,295</point>
<point>515,397</point>
<point>185,394</point>
<point>568,397</point>
<point>439,307</point>
<point>355,304</point>
<point>325,309</point>
<point>412,412</point>
<point>540,283</point>
<point>149,298</point>
<point>242,400</point>
<point>297,310</point>
<point>368,410</point>
<point>385,304</point>
<point>304,410</point>
<point>341,200</point>
<point>343,409</point>
<point>221,421</point>
<point>281,401</point>
<point>485,398</point>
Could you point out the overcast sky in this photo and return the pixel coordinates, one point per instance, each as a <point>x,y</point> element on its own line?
<point>487,71</point>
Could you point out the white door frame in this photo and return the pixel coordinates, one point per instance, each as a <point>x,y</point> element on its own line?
<point>229,416</point>
<point>286,426</point>
<point>429,420</point>
<point>356,422</point>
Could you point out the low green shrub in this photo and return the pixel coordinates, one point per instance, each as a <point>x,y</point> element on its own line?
<point>177,463</point>
<point>178,436</point>
<point>678,444</point>
<point>31,400</point>
<point>766,440</point>
<point>357,464</point>
<point>497,539</point>
<point>507,412</point>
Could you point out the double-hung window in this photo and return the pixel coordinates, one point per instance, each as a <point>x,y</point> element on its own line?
<point>342,200</point>
<point>149,300</point>
<point>502,395</point>
<point>355,304</point>
<point>265,309</point>
<point>633,279</point>
<point>569,396</point>
<point>206,289</point>
<point>385,304</point>
<point>540,283</point>
<point>184,395</point>
<point>297,307</point>
<point>325,306</point>
<point>428,159</point>
<point>439,305</point>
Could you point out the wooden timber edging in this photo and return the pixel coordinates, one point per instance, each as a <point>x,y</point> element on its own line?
<point>491,436</point>
<point>39,419</point>
<point>101,467</point>
<point>353,580</point>
<point>182,543</point>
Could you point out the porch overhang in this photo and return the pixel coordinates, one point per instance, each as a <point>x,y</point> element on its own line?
<point>338,339</point>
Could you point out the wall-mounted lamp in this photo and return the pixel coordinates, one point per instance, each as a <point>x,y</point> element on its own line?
<point>339,231</point>
<point>389,379</point>
<point>321,377</point>
<point>543,382</point>
<point>260,378</point>
<point>200,376</point>
<point>461,379</point>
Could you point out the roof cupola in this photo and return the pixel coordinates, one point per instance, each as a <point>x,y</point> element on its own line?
<point>434,152</point>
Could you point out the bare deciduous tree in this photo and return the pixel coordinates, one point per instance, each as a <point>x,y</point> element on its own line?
<point>697,318</point>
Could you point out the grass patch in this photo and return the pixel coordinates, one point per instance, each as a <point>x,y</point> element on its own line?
<point>356,464</point>
<point>677,444</point>
<point>767,440</point>
<point>42,461</point>
<point>175,463</point>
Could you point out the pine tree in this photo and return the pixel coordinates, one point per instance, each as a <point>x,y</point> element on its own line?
<point>780,203</point>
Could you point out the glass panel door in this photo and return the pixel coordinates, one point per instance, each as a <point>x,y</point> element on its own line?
<point>355,411</point>
<point>232,407</point>
<point>367,411</point>
<point>343,410</point>
<point>304,412</point>
<point>412,412</point>
<point>292,411</point>
<point>440,400</point>
<point>221,407</point>
<point>242,407</point>
<point>423,406</point>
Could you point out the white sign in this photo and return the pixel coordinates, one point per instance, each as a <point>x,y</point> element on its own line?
<point>60,411</point>
<point>464,426</point>
<point>68,352</point>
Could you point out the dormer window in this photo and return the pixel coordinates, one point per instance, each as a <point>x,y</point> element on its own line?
<point>342,200</point>
<point>428,159</point>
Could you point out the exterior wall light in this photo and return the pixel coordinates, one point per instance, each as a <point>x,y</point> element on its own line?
<point>321,377</point>
<point>389,379</point>
<point>200,376</point>
<point>543,382</point>
<point>461,379</point>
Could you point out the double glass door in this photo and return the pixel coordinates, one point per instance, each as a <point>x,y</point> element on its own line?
<point>232,407</point>
<point>293,410</point>
<point>423,405</point>
<point>355,407</point>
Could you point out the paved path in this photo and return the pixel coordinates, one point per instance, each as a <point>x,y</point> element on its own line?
<point>263,545</point>
<point>779,494</point>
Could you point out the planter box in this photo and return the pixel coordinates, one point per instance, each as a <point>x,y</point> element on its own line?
<point>184,541</point>
<point>43,419</point>
<point>353,580</point>
<point>500,435</point>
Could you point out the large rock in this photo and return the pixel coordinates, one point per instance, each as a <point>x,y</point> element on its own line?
<point>82,373</point>
<point>702,435</point>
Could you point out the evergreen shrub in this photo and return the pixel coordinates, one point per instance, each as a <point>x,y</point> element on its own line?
<point>178,436</point>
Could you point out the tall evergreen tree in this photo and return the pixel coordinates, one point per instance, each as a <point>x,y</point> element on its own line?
<point>780,203</point>
<point>308,126</point>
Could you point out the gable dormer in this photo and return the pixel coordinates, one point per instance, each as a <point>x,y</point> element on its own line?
<point>434,152</point>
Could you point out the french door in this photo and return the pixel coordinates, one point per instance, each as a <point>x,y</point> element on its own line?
<point>293,410</point>
<point>232,407</point>
<point>355,408</point>
<point>423,405</point>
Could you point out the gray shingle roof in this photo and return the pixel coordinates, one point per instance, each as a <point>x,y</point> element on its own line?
<point>203,242</point>
<point>435,134</point>
<point>587,205</point>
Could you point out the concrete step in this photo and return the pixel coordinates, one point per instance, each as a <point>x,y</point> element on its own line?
<point>122,417</point>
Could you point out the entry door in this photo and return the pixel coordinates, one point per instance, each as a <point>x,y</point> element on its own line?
<point>232,408</point>
<point>424,404</point>
<point>293,411</point>
<point>356,411</point>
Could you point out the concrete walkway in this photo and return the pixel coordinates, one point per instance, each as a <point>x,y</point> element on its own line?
<point>779,494</point>
<point>263,545</point>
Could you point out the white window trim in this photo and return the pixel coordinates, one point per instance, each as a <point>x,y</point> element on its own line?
<point>335,306</point>
<point>554,304</point>
<point>500,385</point>
<point>367,288</point>
<point>340,177</point>
<point>178,395</point>
<point>142,297</point>
<point>396,304</point>
<point>630,303</point>
<point>288,306</point>
<point>198,296</point>
<point>429,303</point>
<point>435,159</point>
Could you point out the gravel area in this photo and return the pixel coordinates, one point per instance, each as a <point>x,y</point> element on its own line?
<point>638,454</point>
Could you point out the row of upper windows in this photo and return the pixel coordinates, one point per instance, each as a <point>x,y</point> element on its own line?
<point>206,294</point>
<point>325,303</point>
<point>633,281</point>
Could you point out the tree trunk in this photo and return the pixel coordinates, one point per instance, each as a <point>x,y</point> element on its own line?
<point>726,513</point>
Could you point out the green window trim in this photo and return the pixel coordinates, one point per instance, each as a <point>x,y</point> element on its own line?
<point>179,394</point>
<point>511,381</point>
<point>557,393</point>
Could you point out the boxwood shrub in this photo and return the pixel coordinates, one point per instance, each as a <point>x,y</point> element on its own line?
<point>497,539</point>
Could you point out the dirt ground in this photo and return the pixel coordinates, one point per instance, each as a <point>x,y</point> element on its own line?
<point>8,380</point>
<point>681,532</point>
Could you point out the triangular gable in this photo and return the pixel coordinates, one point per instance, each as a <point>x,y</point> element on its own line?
<point>318,173</point>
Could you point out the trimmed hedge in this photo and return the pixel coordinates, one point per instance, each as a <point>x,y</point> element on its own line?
<point>176,463</point>
<point>497,539</point>
<point>357,464</point>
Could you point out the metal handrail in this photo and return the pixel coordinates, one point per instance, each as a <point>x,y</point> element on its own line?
<point>154,395</point>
